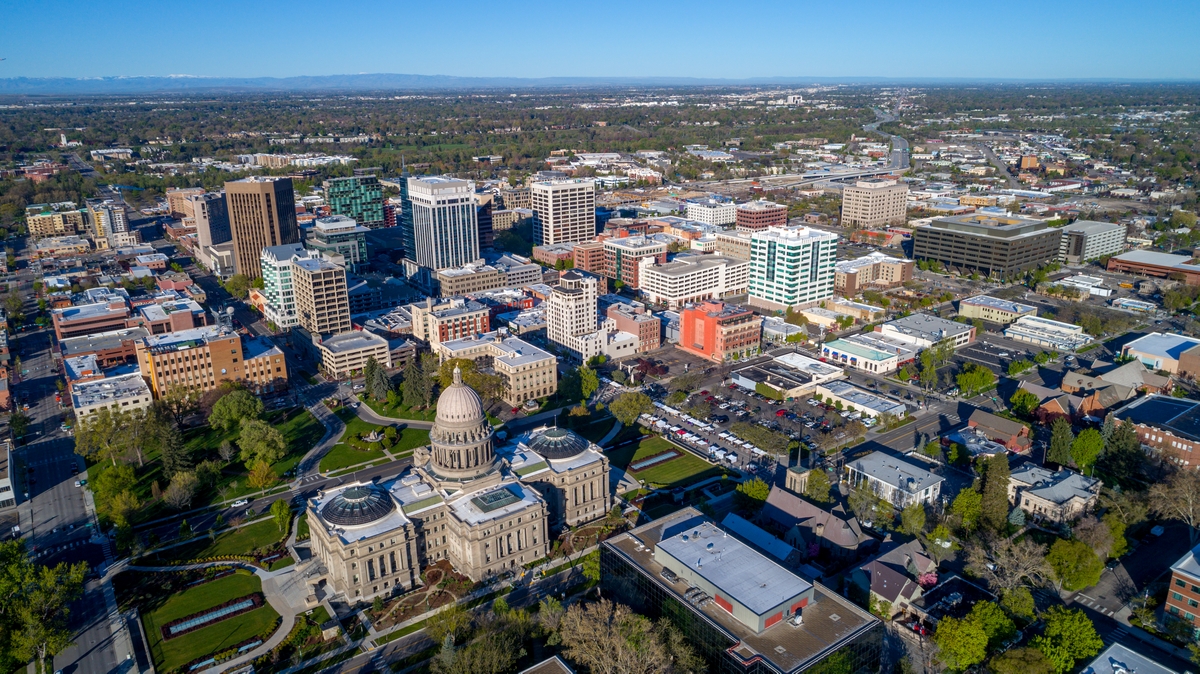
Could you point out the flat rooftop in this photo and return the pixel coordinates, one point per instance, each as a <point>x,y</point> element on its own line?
<point>100,341</point>
<point>1166,346</point>
<point>1150,257</point>
<point>860,398</point>
<point>1002,305</point>
<point>354,340</point>
<point>929,328</point>
<point>186,339</point>
<point>694,264</point>
<point>1177,415</point>
<point>1118,659</point>
<point>829,620</point>
<point>109,390</point>
<point>88,312</point>
<point>258,347</point>
<point>514,351</point>
<point>989,226</point>
<point>868,260</point>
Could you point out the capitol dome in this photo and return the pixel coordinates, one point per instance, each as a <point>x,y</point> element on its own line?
<point>459,403</point>
<point>558,443</point>
<point>358,506</point>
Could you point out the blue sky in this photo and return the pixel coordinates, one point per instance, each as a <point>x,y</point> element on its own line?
<point>1049,39</point>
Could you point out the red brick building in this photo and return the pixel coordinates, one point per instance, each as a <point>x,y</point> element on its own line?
<point>758,215</point>
<point>589,256</point>
<point>636,321</point>
<point>719,332</point>
<point>1183,597</point>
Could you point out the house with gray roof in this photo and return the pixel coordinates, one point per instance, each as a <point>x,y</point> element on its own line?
<point>893,479</point>
<point>894,575</point>
<point>1055,496</point>
<point>804,525</point>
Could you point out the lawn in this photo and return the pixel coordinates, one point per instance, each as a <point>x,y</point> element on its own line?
<point>241,541</point>
<point>398,411</point>
<point>302,533</point>
<point>344,455</point>
<point>596,430</point>
<point>177,652</point>
<point>681,471</point>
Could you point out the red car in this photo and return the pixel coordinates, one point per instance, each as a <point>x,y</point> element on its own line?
<point>704,393</point>
<point>780,413</point>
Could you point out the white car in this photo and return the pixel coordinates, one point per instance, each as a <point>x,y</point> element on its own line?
<point>239,503</point>
<point>359,387</point>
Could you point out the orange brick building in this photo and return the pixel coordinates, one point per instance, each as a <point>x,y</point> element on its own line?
<point>719,331</point>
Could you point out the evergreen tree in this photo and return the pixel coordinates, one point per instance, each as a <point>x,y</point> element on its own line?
<point>412,393</point>
<point>375,379</point>
<point>1061,439</point>
<point>174,454</point>
<point>994,504</point>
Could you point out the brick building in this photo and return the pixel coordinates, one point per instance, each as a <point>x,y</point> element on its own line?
<point>719,332</point>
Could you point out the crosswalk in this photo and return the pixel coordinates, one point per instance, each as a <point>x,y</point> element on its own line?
<point>1093,604</point>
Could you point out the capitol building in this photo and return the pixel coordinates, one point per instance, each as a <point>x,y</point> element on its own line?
<point>485,509</point>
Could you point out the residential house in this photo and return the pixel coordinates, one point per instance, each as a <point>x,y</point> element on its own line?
<point>812,529</point>
<point>893,577</point>
<point>1054,403</point>
<point>1052,496</point>
<point>1011,434</point>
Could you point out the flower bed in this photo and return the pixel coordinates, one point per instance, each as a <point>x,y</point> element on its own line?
<point>653,460</point>
<point>220,612</point>
<point>225,655</point>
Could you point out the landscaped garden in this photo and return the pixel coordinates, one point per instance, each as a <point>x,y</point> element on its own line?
<point>198,601</point>
<point>363,442</point>
<point>680,470</point>
<point>304,642</point>
<point>397,410</point>
<point>258,541</point>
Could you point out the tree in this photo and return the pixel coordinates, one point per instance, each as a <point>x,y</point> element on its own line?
<point>173,452</point>
<point>261,476</point>
<point>912,519</point>
<point>97,436</point>
<point>996,625</point>
<point>178,402</point>
<point>588,382</point>
<point>1178,498</point>
<point>1024,660</point>
<point>968,506</point>
<point>238,285</point>
<point>1074,564</point>
<point>817,486</point>
<point>416,388</point>
<point>448,625</point>
<point>281,513</point>
<point>609,638</point>
<point>445,372</point>
<point>181,490</point>
<point>961,643</point>
<point>1086,448</point>
<point>751,495</point>
<point>233,408</point>
<point>627,407</point>
<point>928,373</point>
<point>1006,564</point>
<point>1019,602</point>
<point>261,442</point>
<point>1024,402</point>
<point>375,380</point>
<point>1061,439</point>
<point>1096,534</point>
<point>994,499</point>
<point>33,622</point>
<point>974,379</point>
<point>1069,636</point>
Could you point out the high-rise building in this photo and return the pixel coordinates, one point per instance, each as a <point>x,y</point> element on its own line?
<point>622,257</point>
<point>108,218</point>
<point>404,219</point>
<point>262,213</point>
<point>278,285</point>
<point>445,230</point>
<point>322,303</point>
<point>483,218</point>
<point>874,202</point>
<point>358,197</point>
<point>755,216</point>
<point>339,235</point>
<point>1086,240</point>
<point>179,201</point>
<point>791,267</point>
<point>563,210</point>
<point>571,308</point>
<point>212,218</point>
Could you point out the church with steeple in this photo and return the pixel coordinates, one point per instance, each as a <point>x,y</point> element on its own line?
<point>486,513</point>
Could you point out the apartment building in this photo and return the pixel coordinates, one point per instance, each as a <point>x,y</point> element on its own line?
<point>203,358</point>
<point>52,223</point>
<point>874,202</point>
<point>339,235</point>
<point>874,270</point>
<point>719,332</point>
<point>563,210</point>
<point>452,318</point>
<point>262,213</point>
<point>987,244</point>
<point>1183,596</point>
<point>636,321</point>
<point>622,257</point>
<point>791,267</point>
<point>756,216</point>
<point>994,309</point>
<point>694,279</point>
<point>322,303</point>
<point>733,244</point>
<point>109,223</point>
<point>712,212</point>
<point>571,308</point>
<point>528,372</point>
<point>359,198</point>
<point>1086,240</point>
<point>445,229</point>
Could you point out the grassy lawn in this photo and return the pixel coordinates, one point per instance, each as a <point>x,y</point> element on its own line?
<point>241,541</point>
<point>172,654</point>
<point>302,527</point>
<point>681,471</point>
<point>596,430</point>
<point>398,411</point>
<point>344,455</point>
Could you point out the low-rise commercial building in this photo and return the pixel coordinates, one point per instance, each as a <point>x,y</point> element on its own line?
<point>719,332</point>
<point>712,212</point>
<point>860,356</point>
<point>756,216</point>
<point>529,373</point>
<point>1176,354</point>
<point>61,246</point>
<point>1183,595</point>
<point>894,480</point>
<point>123,393</point>
<point>789,376</point>
<point>203,358</point>
<point>987,244</point>
<point>874,270</point>
<point>923,331</point>
<point>589,256</point>
<point>452,318</point>
<point>470,278</point>
<point>854,399</point>
<point>858,310</point>
<point>694,279</point>
<point>1161,265</point>
<point>1045,332</point>
<point>994,309</point>
<point>1165,424</point>
<point>1086,240</point>
<point>344,354</point>
<point>636,321</point>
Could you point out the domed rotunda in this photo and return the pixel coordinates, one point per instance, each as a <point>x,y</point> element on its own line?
<point>461,437</point>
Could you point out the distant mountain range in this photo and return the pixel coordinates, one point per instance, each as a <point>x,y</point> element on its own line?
<point>400,82</point>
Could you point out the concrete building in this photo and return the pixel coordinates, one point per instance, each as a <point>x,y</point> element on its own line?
<point>860,356</point>
<point>359,198</point>
<point>719,332</point>
<point>756,216</point>
<point>343,354</point>
<point>872,271</point>
<point>61,246</point>
<point>469,278</point>
<point>122,393</point>
<point>179,201</point>
<point>874,202</point>
<point>923,331</point>
<point>529,373</point>
<point>550,255</point>
<point>202,359</point>
<point>994,310</point>
<point>694,279</point>
<point>85,319</point>
<point>563,211</point>
<point>54,223</point>
<point>1176,354</point>
<point>322,304</point>
<point>445,229</point>
<point>1152,263</point>
<point>987,244</point>
<point>894,480</point>
<point>1120,659</point>
<point>791,267</point>
<point>1086,240</point>
<point>589,256</point>
<point>451,318</point>
<point>733,244</point>
<point>278,286</point>
<point>211,214</point>
<point>855,399</point>
<point>571,309</point>
<point>1056,497</point>
<point>1045,332</point>
<point>623,257</point>
<point>262,213</point>
<point>712,212</point>
<point>339,235</point>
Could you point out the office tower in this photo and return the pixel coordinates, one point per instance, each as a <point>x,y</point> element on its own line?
<point>622,257</point>
<point>278,287</point>
<point>483,215</point>
<point>755,216</point>
<point>203,358</point>
<point>563,210</point>
<point>262,213</point>
<point>179,201</point>
<point>445,231</point>
<point>572,309</point>
<point>1001,246</point>
<point>212,218</point>
<point>358,197</point>
<point>874,202</point>
<point>339,235</point>
<point>791,267</point>
<point>322,304</point>
<point>404,218</point>
<point>712,212</point>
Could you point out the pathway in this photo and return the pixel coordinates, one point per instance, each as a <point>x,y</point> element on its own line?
<point>611,434</point>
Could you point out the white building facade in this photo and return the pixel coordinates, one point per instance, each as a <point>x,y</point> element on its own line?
<point>445,226</point>
<point>791,267</point>
<point>712,212</point>
<point>694,279</point>
<point>278,286</point>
